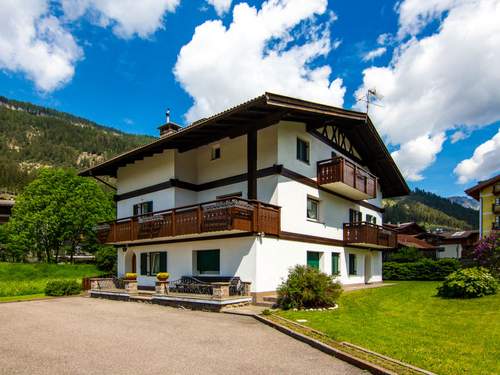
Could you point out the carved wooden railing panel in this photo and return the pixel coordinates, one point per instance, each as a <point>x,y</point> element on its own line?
<point>339,169</point>
<point>369,234</point>
<point>221,215</point>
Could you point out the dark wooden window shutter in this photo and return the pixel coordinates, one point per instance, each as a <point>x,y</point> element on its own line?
<point>163,261</point>
<point>144,263</point>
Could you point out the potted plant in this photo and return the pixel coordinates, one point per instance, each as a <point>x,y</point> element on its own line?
<point>162,276</point>
<point>130,276</point>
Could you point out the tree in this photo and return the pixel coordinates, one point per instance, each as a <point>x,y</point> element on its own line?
<point>487,253</point>
<point>57,210</point>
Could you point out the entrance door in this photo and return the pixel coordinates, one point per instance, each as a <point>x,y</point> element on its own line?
<point>368,268</point>
<point>134,264</point>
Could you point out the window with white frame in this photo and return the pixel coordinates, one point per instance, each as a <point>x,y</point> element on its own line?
<point>143,208</point>
<point>215,152</point>
<point>371,219</point>
<point>303,150</point>
<point>312,208</point>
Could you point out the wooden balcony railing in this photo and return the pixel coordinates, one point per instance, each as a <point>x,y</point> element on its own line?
<point>369,235</point>
<point>496,189</point>
<point>220,215</point>
<point>343,176</point>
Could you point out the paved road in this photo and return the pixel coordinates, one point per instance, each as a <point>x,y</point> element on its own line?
<point>91,336</point>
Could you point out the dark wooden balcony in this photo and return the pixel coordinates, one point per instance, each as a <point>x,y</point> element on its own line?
<point>496,189</point>
<point>369,235</point>
<point>232,214</point>
<point>346,178</point>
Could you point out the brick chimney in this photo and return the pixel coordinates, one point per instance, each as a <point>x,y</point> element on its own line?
<point>169,127</point>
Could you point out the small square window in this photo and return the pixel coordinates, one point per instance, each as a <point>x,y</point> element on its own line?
<point>302,150</point>
<point>215,152</point>
<point>371,219</point>
<point>312,208</point>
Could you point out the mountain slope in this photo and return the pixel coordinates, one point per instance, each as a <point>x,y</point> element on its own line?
<point>431,211</point>
<point>32,137</point>
<point>466,202</point>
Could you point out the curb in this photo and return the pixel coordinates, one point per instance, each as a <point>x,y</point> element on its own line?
<point>365,365</point>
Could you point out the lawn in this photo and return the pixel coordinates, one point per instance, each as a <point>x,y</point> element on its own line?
<point>408,322</point>
<point>21,279</point>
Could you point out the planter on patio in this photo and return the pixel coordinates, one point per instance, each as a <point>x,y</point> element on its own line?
<point>220,290</point>
<point>131,286</point>
<point>161,287</point>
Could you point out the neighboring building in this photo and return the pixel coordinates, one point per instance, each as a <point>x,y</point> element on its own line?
<point>409,236</point>
<point>253,191</point>
<point>433,245</point>
<point>457,244</point>
<point>5,210</point>
<point>488,194</point>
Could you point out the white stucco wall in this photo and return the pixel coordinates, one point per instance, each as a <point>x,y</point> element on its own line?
<point>450,251</point>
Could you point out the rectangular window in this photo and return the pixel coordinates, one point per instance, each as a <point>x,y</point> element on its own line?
<point>143,208</point>
<point>352,264</point>
<point>153,263</point>
<point>355,216</point>
<point>312,208</point>
<point>302,150</point>
<point>335,264</point>
<point>313,259</point>
<point>216,152</point>
<point>208,262</point>
<point>371,219</point>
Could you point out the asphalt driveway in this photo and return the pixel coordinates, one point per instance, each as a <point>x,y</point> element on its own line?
<point>91,336</point>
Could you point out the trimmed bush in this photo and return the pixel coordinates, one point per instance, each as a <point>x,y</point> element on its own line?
<point>62,288</point>
<point>307,287</point>
<point>425,269</point>
<point>468,283</point>
<point>105,259</point>
<point>406,255</point>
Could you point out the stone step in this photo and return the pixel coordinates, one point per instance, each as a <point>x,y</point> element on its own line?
<point>273,299</point>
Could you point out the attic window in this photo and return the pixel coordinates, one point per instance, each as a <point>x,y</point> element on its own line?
<point>215,152</point>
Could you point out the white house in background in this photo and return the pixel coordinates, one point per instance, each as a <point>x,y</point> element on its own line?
<point>252,191</point>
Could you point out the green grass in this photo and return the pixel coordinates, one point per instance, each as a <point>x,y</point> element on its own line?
<point>23,298</point>
<point>19,279</point>
<point>408,322</point>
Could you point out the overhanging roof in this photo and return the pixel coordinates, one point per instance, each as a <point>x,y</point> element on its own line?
<point>264,111</point>
<point>476,190</point>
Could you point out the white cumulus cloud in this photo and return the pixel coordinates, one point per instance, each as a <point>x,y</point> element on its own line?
<point>128,18</point>
<point>221,6</point>
<point>373,54</point>
<point>484,163</point>
<point>36,44</point>
<point>441,82</point>
<point>222,66</point>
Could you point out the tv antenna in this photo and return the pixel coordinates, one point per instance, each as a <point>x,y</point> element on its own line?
<point>369,98</point>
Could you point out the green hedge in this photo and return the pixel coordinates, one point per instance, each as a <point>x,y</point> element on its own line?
<point>425,269</point>
<point>62,288</point>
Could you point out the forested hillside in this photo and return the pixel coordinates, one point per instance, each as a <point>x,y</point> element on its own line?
<point>32,137</point>
<point>431,211</point>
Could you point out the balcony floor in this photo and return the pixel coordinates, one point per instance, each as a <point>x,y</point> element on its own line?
<point>346,190</point>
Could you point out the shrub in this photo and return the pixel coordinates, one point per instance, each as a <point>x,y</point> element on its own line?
<point>425,269</point>
<point>105,259</point>
<point>468,283</point>
<point>487,253</point>
<point>406,255</point>
<point>307,287</point>
<point>162,275</point>
<point>62,288</point>
<point>130,276</point>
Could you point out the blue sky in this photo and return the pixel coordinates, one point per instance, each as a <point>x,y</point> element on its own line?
<point>118,69</point>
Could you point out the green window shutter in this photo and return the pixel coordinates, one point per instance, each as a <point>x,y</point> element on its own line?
<point>150,206</point>
<point>136,209</point>
<point>313,259</point>
<point>163,261</point>
<point>352,264</point>
<point>144,263</point>
<point>208,261</point>
<point>335,264</point>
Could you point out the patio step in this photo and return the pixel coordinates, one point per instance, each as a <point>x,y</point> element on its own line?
<point>273,299</point>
